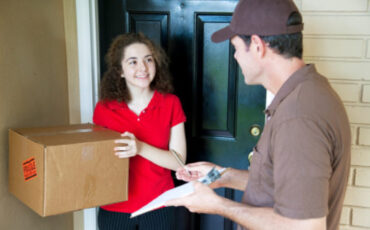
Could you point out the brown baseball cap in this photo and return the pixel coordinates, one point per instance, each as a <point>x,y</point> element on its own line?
<point>260,17</point>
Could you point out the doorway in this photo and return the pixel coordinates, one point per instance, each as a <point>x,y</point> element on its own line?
<point>224,116</point>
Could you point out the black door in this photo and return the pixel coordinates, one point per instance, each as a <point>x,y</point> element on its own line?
<point>224,115</point>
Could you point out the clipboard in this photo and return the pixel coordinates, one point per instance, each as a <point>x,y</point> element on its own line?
<point>180,191</point>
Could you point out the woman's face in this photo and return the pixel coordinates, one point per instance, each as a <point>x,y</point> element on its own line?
<point>138,66</point>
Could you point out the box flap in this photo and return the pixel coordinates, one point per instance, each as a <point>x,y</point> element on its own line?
<point>71,134</point>
<point>53,129</point>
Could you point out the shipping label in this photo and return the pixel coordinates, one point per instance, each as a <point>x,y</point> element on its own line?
<point>29,169</point>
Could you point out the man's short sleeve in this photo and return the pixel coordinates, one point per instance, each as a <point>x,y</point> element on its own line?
<point>302,169</point>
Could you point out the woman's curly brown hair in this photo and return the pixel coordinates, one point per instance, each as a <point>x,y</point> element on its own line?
<point>113,86</point>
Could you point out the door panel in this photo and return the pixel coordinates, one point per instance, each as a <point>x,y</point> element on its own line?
<point>216,95</point>
<point>155,26</point>
<point>220,108</point>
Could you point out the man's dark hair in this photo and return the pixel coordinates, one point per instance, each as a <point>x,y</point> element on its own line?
<point>288,45</point>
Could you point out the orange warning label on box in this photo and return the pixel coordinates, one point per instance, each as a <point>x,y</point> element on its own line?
<point>29,169</point>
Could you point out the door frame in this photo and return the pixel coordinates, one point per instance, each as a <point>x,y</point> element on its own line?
<point>88,77</point>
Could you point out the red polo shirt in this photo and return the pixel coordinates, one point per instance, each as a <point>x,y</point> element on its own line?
<point>152,126</point>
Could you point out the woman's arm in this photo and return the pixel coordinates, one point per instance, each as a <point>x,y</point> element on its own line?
<point>158,156</point>
<point>165,158</point>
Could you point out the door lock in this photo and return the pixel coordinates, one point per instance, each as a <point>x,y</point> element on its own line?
<point>255,131</point>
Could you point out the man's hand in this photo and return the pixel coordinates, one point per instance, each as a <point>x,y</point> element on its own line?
<point>205,200</point>
<point>202,200</point>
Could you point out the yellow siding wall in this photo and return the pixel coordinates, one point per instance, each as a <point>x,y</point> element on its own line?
<point>337,40</point>
<point>33,92</point>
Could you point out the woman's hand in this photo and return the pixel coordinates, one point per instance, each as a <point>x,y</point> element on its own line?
<point>130,149</point>
<point>194,171</point>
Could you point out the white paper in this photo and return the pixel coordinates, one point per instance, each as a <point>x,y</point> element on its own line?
<point>177,192</point>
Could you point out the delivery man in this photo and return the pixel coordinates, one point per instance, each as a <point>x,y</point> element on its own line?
<point>300,165</point>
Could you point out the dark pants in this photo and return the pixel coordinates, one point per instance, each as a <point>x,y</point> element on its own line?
<point>161,219</point>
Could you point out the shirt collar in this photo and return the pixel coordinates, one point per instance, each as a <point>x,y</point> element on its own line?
<point>289,85</point>
<point>154,102</point>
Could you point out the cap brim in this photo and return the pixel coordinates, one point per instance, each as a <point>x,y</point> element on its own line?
<point>222,34</point>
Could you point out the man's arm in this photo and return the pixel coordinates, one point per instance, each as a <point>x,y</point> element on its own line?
<point>234,178</point>
<point>205,200</point>
<point>264,218</point>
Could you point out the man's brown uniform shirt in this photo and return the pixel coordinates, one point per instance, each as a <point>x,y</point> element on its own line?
<point>301,163</point>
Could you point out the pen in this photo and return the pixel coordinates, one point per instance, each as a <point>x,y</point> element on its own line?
<point>182,164</point>
<point>212,175</point>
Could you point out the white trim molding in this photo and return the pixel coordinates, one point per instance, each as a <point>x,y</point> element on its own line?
<point>89,71</point>
<point>88,56</point>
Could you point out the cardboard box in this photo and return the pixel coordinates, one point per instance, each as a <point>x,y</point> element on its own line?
<point>55,170</point>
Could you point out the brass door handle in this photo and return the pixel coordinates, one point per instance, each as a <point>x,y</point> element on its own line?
<point>255,130</point>
<point>250,156</point>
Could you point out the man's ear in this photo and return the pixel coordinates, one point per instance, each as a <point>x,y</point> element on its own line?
<point>258,45</point>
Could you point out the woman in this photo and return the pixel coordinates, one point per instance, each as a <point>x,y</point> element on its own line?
<point>136,100</point>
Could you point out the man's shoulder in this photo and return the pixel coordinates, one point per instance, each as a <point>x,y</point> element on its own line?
<point>313,97</point>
